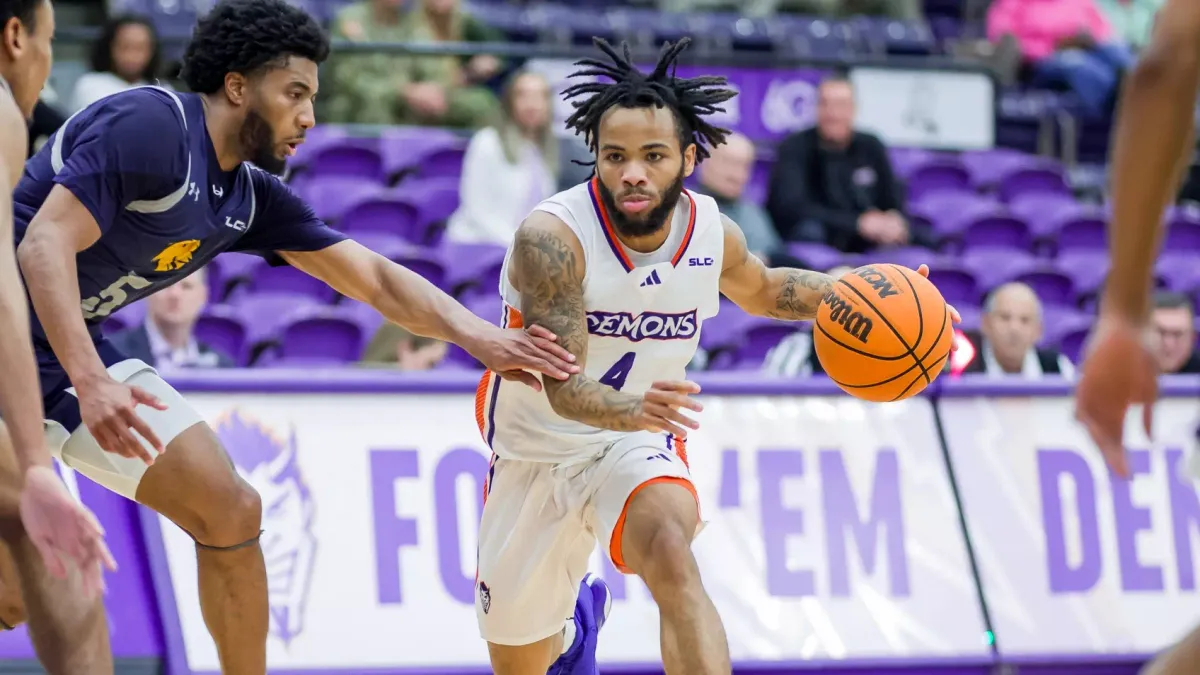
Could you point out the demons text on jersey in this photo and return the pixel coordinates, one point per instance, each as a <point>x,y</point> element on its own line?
<point>644,326</point>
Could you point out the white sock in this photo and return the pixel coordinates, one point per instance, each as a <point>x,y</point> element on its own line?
<point>568,635</point>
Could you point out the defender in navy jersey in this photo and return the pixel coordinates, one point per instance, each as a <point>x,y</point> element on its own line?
<point>1154,139</point>
<point>146,186</point>
<point>42,527</point>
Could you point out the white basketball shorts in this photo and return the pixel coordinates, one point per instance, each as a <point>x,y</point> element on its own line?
<point>541,523</point>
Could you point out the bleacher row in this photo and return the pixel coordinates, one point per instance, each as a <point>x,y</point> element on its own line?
<point>999,216</point>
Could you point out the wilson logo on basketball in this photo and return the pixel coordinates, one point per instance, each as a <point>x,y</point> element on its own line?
<point>879,283</point>
<point>853,322</point>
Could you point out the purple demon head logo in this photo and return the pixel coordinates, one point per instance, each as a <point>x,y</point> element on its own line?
<point>269,464</point>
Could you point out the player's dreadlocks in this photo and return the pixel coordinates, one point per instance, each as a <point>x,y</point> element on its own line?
<point>691,99</point>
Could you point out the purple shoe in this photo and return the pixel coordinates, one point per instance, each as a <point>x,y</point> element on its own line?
<point>591,611</point>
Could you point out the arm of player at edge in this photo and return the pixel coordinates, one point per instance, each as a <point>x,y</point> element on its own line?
<point>547,269</point>
<point>1152,144</point>
<point>21,410</point>
<point>407,299</point>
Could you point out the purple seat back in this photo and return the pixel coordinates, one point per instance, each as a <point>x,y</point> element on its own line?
<point>224,332</point>
<point>906,160</point>
<point>1183,235</point>
<point>997,230</point>
<point>424,262</point>
<point>1071,344</point>
<point>317,138</point>
<point>331,196</point>
<point>911,257</point>
<point>288,279</point>
<point>1086,233</point>
<point>957,285</point>
<point>759,338</point>
<point>442,163</point>
<point>403,148</point>
<point>1087,268</point>
<point>816,256</point>
<point>988,167</point>
<point>391,215</point>
<point>1180,270</point>
<point>350,159</point>
<point>993,266</point>
<point>264,313</point>
<point>1028,181</point>
<point>938,176</point>
<point>328,339</point>
<point>1041,210</point>
<point>948,212</point>
<point>1052,287</point>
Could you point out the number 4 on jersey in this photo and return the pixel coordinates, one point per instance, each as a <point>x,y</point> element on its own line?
<point>615,377</point>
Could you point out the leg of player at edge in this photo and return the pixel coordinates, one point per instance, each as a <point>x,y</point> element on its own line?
<point>195,485</point>
<point>656,544</point>
<point>571,652</point>
<point>69,634</point>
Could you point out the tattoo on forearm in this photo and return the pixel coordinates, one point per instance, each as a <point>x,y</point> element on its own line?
<point>552,297</point>
<point>799,293</point>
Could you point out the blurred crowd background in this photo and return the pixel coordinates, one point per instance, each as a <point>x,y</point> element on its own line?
<point>439,127</point>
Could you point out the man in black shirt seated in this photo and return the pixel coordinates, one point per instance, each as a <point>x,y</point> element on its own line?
<point>833,184</point>
<point>1174,323</point>
<point>1006,345</point>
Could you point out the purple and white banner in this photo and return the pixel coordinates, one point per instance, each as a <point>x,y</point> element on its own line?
<point>1072,559</point>
<point>832,532</point>
<point>910,108</point>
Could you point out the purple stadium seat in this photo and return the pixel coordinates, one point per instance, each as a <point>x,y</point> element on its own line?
<point>995,230</point>
<point>1041,209</point>
<point>465,262</point>
<point>324,337</point>
<point>994,266</point>
<point>127,317</point>
<point>318,137</point>
<point>1087,269</point>
<point>1086,233</point>
<point>403,148</point>
<point>957,285</point>
<point>425,262</point>
<point>988,167</point>
<point>938,175</point>
<point>1071,343</point>
<point>905,160</point>
<point>816,256</point>
<point>485,279</point>
<point>385,244</point>
<point>948,212</point>
<point>1031,180</point>
<point>387,214</point>
<point>759,336</point>
<point>1180,270</point>
<point>1058,325</point>
<point>264,313</point>
<point>331,196</point>
<point>1052,287</point>
<point>288,279</point>
<point>1183,235</point>
<point>487,307</point>
<point>911,257</point>
<point>725,330</point>
<point>436,200</point>
<point>224,330</point>
<point>446,162</point>
<point>350,158</point>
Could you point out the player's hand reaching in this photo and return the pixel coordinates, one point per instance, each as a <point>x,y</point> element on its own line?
<point>109,407</point>
<point>660,408</point>
<point>514,352</point>
<point>1118,371</point>
<point>65,532</point>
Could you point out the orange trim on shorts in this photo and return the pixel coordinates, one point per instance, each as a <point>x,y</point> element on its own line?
<point>614,544</point>
<point>481,393</point>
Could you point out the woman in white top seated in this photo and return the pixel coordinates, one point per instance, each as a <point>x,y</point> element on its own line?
<point>509,167</point>
<point>125,55</point>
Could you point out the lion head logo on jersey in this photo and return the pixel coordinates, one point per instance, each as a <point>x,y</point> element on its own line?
<point>175,256</point>
<point>269,464</point>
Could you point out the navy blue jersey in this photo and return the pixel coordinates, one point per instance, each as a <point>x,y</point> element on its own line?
<point>143,164</point>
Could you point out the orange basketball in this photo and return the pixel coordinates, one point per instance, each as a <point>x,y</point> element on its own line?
<point>883,333</point>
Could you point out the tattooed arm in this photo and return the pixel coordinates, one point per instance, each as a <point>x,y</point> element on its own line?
<point>778,292</point>
<point>547,268</point>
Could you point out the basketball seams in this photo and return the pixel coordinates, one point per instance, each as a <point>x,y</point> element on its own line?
<point>855,350</point>
<point>911,352</point>
<point>920,314</point>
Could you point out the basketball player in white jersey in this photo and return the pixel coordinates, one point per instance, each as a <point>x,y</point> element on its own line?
<point>624,269</point>
<point>1154,141</point>
<point>53,531</point>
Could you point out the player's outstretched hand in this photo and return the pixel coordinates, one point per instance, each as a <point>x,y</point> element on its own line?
<point>661,405</point>
<point>1118,371</point>
<point>108,410</point>
<point>515,351</point>
<point>65,532</point>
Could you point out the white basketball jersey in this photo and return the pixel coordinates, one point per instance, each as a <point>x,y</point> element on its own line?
<point>644,313</point>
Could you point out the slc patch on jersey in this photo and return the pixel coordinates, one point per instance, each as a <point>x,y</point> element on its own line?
<point>175,256</point>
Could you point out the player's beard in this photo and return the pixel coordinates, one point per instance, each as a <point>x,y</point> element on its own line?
<point>649,222</point>
<point>258,142</point>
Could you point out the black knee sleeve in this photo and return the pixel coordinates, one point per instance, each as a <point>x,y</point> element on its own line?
<point>244,544</point>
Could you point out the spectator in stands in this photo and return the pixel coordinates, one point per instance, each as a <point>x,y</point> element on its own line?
<point>1131,19</point>
<point>1175,334</point>
<point>1009,332</point>
<point>1066,43</point>
<point>126,55</point>
<point>402,89</point>
<point>723,176</point>
<point>795,356</point>
<point>834,184</point>
<point>394,347</point>
<point>166,339</point>
<point>510,166</point>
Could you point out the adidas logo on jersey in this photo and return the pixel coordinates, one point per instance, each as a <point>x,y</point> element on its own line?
<point>651,280</point>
